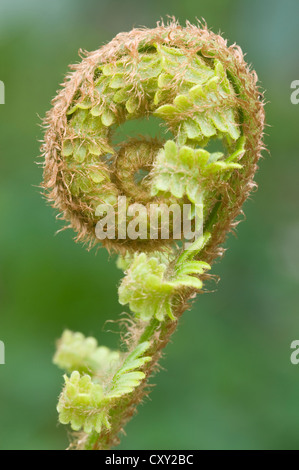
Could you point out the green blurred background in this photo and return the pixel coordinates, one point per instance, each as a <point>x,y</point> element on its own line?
<point>229,382</point>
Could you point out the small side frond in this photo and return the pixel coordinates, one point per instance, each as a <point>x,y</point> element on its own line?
<point>76,352</point>
<point>127,378</point>
<point>82,404</point>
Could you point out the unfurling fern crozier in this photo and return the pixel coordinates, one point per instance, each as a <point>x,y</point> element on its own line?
<point>205,95</point>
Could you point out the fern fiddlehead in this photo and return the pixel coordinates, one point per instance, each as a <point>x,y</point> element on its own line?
<point>202,91</point>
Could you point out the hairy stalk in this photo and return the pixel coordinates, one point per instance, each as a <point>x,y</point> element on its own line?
<point>126,409</point>
<point>203,92</point>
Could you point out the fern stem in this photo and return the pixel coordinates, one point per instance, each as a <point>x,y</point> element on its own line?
<point>126,409</point>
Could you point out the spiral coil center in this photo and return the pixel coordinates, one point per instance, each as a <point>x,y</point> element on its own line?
<point>195,101</point>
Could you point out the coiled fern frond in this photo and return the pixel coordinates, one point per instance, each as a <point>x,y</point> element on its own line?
<point>203,92</point>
